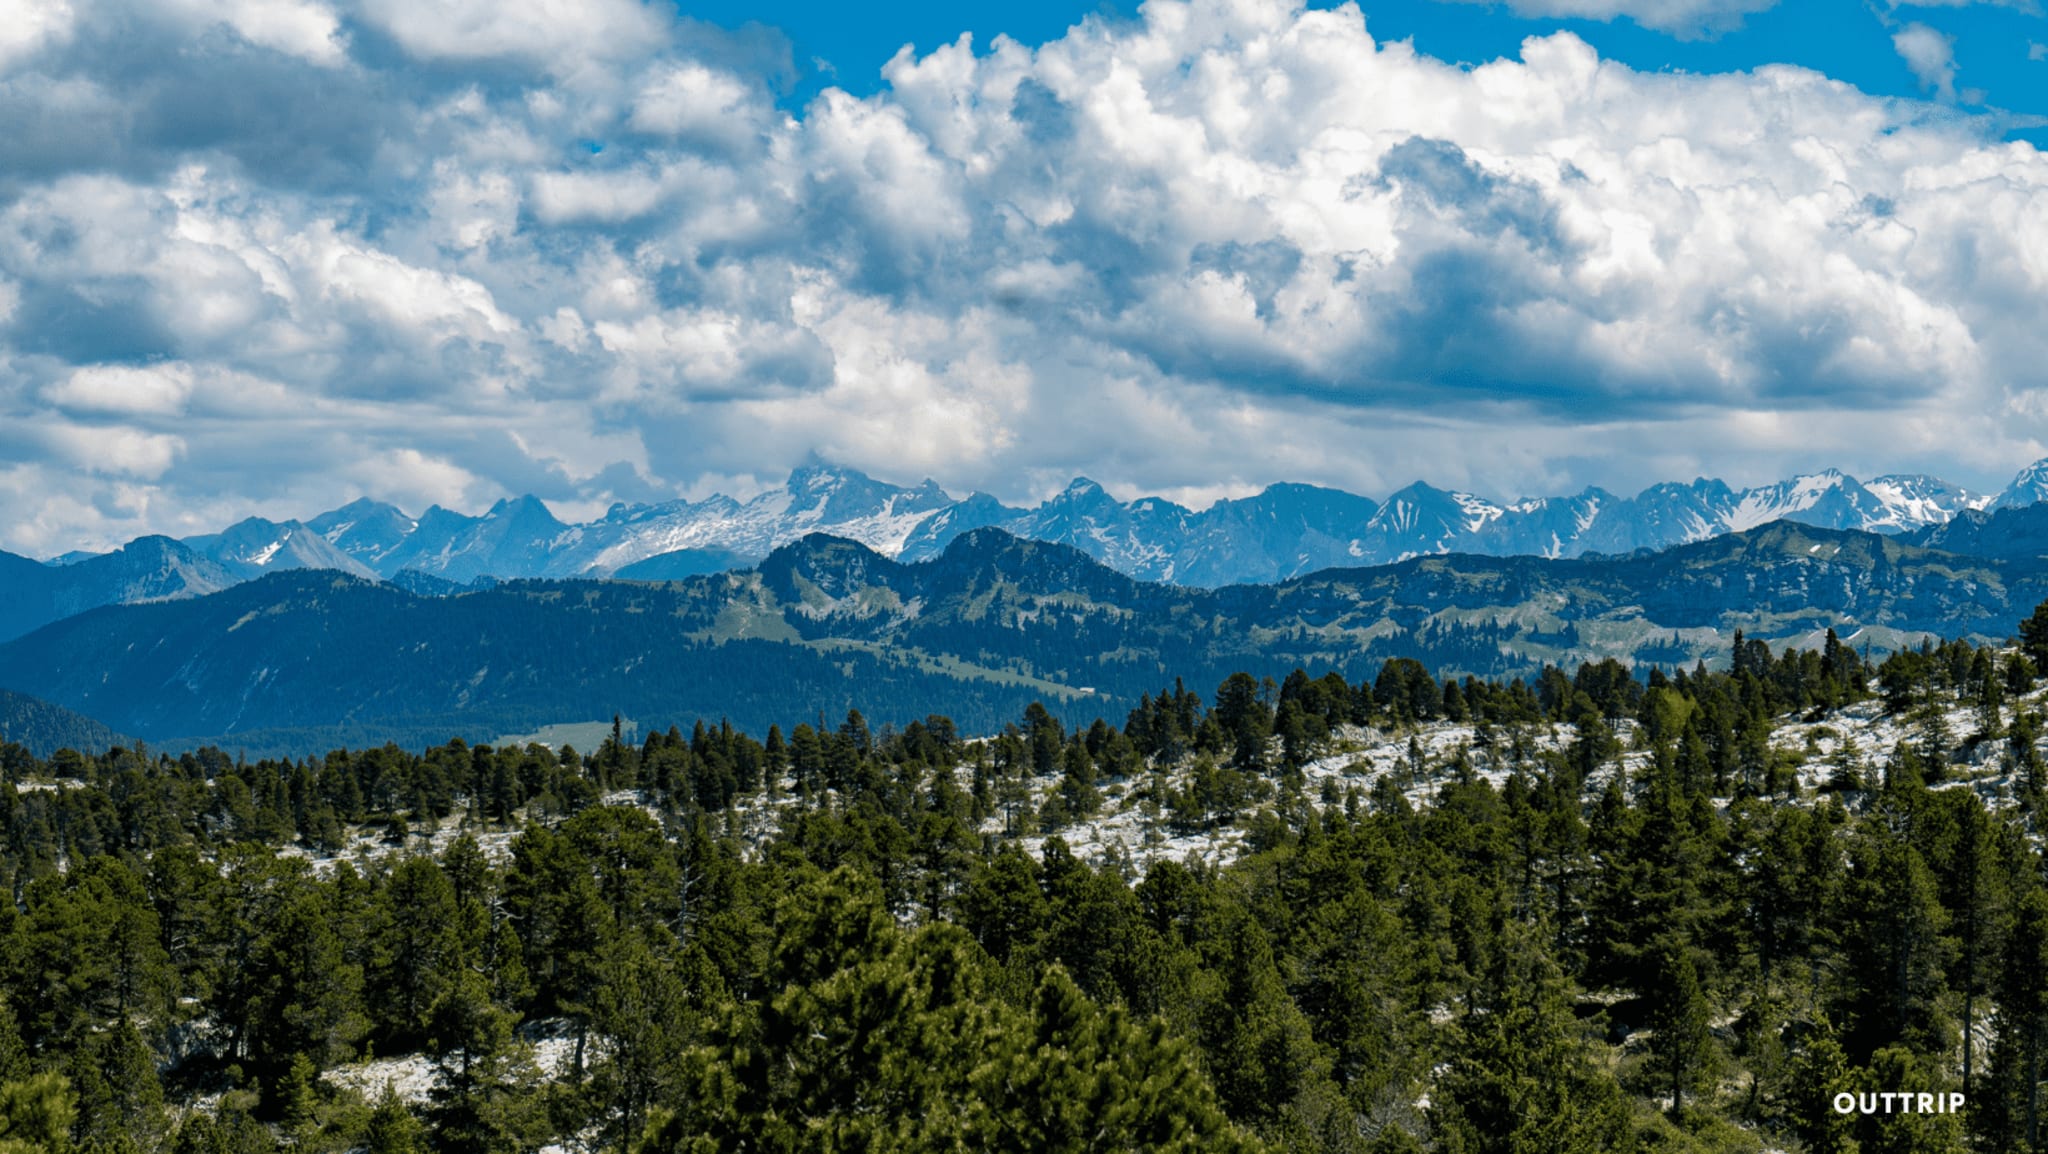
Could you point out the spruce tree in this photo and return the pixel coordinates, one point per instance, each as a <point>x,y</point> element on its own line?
<point>392,1128</point>
<point>1820,1070</point>
<point>1681,1045</point>
<point>1521,1077</point>
<point>37,1113</point>
<point>1893,984</point>
<point>2034,636</point>
<point>2019,1054</point>
<point>297,1105</point>
<point>415,951</point>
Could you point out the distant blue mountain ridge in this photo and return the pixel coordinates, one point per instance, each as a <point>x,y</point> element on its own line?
<point>1285,531</point>
<point>298,662</point>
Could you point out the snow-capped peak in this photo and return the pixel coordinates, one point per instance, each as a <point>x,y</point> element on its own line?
<point>1287,530</point>
<point>2029,487</point>
<point>1911,500</point>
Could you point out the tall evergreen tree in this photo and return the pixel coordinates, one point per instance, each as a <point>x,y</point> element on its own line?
<point>415,951</point>
<point>1681,1044</point>
<point>1521,1076</point>
<point>1820,1070</point>
<point>1893,978</point>
<point>392,1128</point>
<point>2019,1054</point>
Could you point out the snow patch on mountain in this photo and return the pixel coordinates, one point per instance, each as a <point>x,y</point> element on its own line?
<point>2028,488</point>
<point>1477,511</point>
<point>1775,502</point>
<point>1284,531</point>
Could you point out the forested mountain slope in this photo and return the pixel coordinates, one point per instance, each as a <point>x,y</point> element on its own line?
<point>1280,533</point>
<point>335,660</point>
<point>43,729</point>
<point>991,623</point>
<point>1582,913</point>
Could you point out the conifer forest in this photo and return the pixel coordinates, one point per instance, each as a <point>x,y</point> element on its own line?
<point>1593,910</point>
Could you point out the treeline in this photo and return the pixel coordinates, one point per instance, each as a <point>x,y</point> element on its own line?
<point>1647,936</point>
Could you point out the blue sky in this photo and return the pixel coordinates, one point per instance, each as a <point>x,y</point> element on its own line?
<point>1997,50</point>
<point>266,256</point>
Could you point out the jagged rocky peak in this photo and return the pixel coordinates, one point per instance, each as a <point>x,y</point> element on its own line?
<point>364,529</point>
<point>259,544</point>
<point>358,510</point>
<point>524,505</point>
<point>837,493</point>
<point>1286,529</point>
<point>1424,513</point>
<point>2029,487</point>
<point>1082,491</point>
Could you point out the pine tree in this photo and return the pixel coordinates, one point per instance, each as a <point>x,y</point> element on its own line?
<point>1297,742</point>
<point>774,761</point>
<point>1244,712</point>
<point>120,1098</point>
<point>1263,1056</point>
<point>36,1114</point>
<point>636,875</point>
<point>1893,982</point>
<point>1990,704</point>
<point>1820,1070</point>
<point>1974,891</point>
<point>1520,1076</point>
<point>1004,908</point>
<point>392,1128</point>
<point>414,949</point>
<point>2034,636</point>
<point>1681,1045</point>
<point>644,1013</point>
<point>308,992</point>
<point>2019,1054</point>
<point>1076,1080</point>
<point>2023,737</point>
<point>14,1064</point>
<point>470,1037</point>
<point>1908,1133</point>
<point>1077,783</point>
<point>551,898</point>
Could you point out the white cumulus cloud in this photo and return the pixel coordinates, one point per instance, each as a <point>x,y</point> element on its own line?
<point>116,450</point>
<point>302,28</point>
<point>1228,242</point>
<point>123,389</point>
<point>27,25</point>
<point>691,100</point>
<point>567,34</point>
<point>1932,57</point>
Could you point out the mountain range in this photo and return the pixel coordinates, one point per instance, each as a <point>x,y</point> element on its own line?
<point>1284,531</point>
<point>302,661</point>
